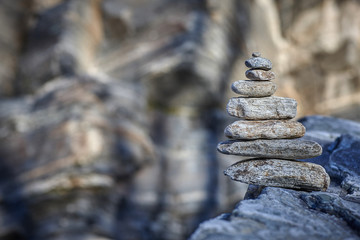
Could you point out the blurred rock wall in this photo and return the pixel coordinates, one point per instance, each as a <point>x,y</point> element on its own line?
<point>111,110</point>
<point>315,49</point>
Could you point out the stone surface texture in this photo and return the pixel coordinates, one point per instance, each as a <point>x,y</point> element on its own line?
<point>288,214</point>
<point>259,136</point>
<point>254,88</point>
<point>255,74</point>
<point>258,63</point>
<point>268,129</point>
<point>280,173</point>
<point>280,148</point>
<point>262,108</point>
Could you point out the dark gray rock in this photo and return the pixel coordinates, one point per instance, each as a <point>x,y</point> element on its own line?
<point>326,129</point>
<point>341,159</point>
<point>285,214</point>
<point>289,214</point>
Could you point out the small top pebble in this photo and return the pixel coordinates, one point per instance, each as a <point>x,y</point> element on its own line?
<point>256,54</point>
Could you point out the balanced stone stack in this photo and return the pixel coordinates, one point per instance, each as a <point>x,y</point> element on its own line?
<point>267,135</point>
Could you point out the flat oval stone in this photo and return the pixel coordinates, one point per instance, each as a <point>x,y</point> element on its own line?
<point>280,148</point>
<point>258,63</point>
<point>258,74</point>
<point>254,88</point>
<point>280,173</point>
<point>266,108</point>
<point>268,129</point>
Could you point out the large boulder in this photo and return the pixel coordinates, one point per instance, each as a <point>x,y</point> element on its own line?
<point>276,213</point>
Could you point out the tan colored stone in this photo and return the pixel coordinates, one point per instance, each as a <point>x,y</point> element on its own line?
<point>265,108</point>
<point>280,173</point>
<point>250,88</point>
<point>258,74</point>
<point>280,148</point>
<point>268,129</point>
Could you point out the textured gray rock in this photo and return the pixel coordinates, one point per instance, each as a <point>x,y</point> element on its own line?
<point>268,129</point>
<point>258,63</point>
<point>280,173</point>
<point>254,88</point>
<point>286,214</point>
<point>258,74</point>
<point>341,161</point>
<point>331,125</point>
<point>265,137</point>
<point>280,148</point>
<point>262,108</point>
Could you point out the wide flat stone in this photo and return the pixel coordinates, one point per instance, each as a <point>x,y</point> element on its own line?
<point>258,74</point>
<point>280,148</point>
<point>266,108</point>
<point>268,129</point>
<point>258,63</point>
<point>280,173</point>
<point>250,88</point>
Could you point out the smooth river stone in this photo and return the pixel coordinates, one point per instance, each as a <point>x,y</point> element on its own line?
<point>254,88</point>
<point>268,129</point>
<point>258,63</point>
<point>257,74</point>
<point>279,148</point>
<point>280,173</point>
<point>266,108</point>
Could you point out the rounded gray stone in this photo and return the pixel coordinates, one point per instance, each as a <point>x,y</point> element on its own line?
<point>266,108</point>
<point>268,129</point>
<point>258,63</point>
<point>280,173</point>
<point>258,74</point>
<point>256,54</point>
<point>279,148</point>
<point>250,88</point>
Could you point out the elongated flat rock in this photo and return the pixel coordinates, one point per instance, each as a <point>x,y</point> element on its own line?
<point>254,88</point>
<point>280,148</point>
<point>280,173</point>
<point>268,129</point>
<point>267,108</point>
<point>258,74</point>
<point>258,63</point>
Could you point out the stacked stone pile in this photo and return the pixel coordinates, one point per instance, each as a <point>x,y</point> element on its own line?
<point>267,135</point>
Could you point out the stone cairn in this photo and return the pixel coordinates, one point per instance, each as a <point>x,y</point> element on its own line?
<point>267,135</point>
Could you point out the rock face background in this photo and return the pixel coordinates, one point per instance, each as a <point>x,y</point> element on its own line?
<point>110,111</point>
